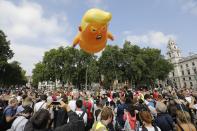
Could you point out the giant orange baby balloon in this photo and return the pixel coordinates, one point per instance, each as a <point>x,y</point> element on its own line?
<point>93,34</point>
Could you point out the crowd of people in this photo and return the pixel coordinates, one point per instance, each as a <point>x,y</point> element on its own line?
<point>125,109</point>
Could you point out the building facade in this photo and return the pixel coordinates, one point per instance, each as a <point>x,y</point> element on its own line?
<point>185,68</point>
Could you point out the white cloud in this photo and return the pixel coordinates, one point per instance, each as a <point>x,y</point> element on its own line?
<point>30,31</point>
<point>28,56</point>
<point>153,38</point>
<point>189,6</point>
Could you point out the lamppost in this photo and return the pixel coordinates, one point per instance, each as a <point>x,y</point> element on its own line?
<point>86,78</point>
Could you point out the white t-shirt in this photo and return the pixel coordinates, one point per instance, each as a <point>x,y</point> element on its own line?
<point>49,99</point>
<point>79,113</point>
<point>19,123</point>
<point>195,106</point>
<point>189,99</point>
<point>151,129</point>
<point>40,105</point>
<point>72,105</point>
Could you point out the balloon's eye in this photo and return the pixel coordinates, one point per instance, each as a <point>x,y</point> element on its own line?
<point>93,29</point>
<point>103,28</point>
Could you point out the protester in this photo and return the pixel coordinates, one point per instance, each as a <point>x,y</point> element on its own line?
<point>163,120</point>
<point>42,104</point>
<point>20,122</point>
<point>97,110</point>
<point>72,103</point>
<point>88,104</point>
<point>146,119</point>
<point>27,101</point>
<point>106,118</point>
<point>9,114</point>
<point>112,110</point>
<point>120,112</point>
<point>184,122</point>
<point>60,115</point>
<point>151,104</point>
<point>130,118</point>
<point>74,123</point>
<point>39,121</point>
<point>80,112</point>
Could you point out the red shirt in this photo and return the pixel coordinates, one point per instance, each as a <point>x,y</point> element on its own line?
<point>88,106</point>
<point>155,95</point>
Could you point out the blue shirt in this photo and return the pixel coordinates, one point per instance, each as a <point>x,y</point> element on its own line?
<point>9,111</point>
<point>19,109</point>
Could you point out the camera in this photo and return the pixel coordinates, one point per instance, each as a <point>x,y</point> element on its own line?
<point>55,103</point>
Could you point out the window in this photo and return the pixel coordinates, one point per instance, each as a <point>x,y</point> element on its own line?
<point>174,80</point>
<point>172,73</point>
<point>193,63</point>
<point>191,84</point>
<point>185,84</point>
<point>190,78</point>
<point>183,79</point>
<point>195,71</point>
<point>183,73</point>
<point>186,65</point>
<point>170,54</point>
<point>181,66</point>
<point>188,72</point>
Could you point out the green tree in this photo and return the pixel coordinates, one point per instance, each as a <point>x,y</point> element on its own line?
<point>130,63</point>
<point>39,73</point>
<point>144,65</point>
<point>133,64</point>
<point>67,65</point>
<point>110,64</point>
<point>14,74</point>
<point>5,54</point>
<point>10,73</point>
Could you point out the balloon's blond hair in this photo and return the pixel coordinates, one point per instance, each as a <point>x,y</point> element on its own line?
<point>95,16</point>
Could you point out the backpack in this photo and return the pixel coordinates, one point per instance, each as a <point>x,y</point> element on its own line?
<point>97,112</point>
<point>80,121</point>
<point>2,107</point>
<point>131,124</point>
<point>120,114</point>
<point>1,116</point>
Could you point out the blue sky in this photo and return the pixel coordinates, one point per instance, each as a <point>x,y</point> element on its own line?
<point>35,26</point>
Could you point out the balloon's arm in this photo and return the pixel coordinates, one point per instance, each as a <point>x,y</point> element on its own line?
<point>76,41</point>
<point>110,36</point>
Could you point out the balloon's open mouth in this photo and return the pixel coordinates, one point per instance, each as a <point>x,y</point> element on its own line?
<point>98,37</point>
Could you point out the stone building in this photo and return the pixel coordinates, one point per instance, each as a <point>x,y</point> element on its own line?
<point>185,68</point>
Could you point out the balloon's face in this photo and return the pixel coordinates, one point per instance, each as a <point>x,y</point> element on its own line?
<point>94,37</point>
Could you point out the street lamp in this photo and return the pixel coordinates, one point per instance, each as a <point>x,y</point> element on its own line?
<point>86,77</point>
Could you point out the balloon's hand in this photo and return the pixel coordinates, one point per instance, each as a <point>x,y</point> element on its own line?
<point>76,40</point>
<point>110,36</point>
<point>74,45</point>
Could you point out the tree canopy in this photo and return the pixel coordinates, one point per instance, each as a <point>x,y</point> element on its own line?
<point>10,73</point>
<point>129,63</point>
